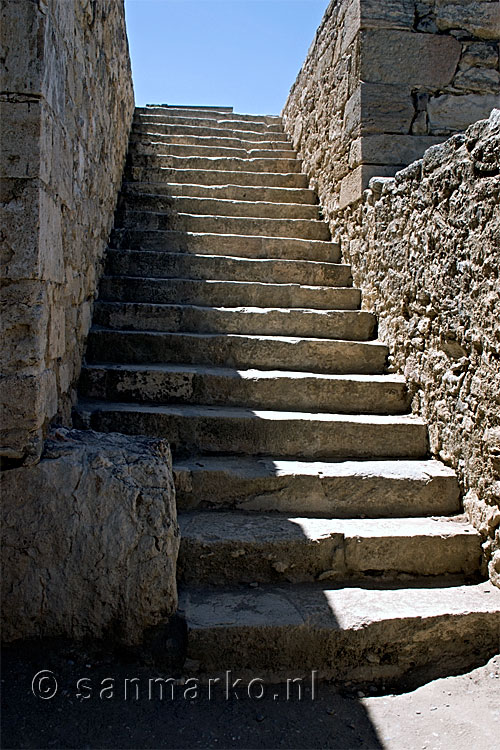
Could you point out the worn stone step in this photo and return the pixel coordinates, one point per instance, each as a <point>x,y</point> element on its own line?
<point>237,350</point>
<point>241,193</point>
<point>217,207</point>
<point>343,489</point>
<point>275,389</point>
<point>308,229</point>
<point>216,177</point>
<point>211,293</point>
<point>243,132</point>
<point>243,246</point>
<point>366,634</point>
<point>349,325</point>
<point>154,147</point>
<point>217,430</point>
<point>207,113</point>
<point>225,267</point>
<point>206,140</point>
<point>247,123</point>
<point>214,163</point>
<point>221,548</point>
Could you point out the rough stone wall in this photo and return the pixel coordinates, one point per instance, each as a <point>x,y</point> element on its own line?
<point>386,79</point>
<point>89,539</point>
<point>425,250</point>
<point>66,106</point>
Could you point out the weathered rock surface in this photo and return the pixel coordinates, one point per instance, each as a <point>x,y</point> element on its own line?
<point>89,539</point>
<point>424,250</point>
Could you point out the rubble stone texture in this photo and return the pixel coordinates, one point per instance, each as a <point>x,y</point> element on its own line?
<point>424,248</point>
<point>89,539</point>
<point>66,107</point>
<point>384,81</point>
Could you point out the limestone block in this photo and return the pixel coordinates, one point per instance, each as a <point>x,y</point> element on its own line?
<point>401,57</point>
<point>448,113</point>
<point>25,402</point>
<point>352,186</point>
<point>90,539</point>
<point>387,14</point>
<point>24,319</point>
<point>480,54</point>
<point>389,149</point>
<point>377,108</point>
<point>480,80</point>
<point>20,134</point>
<point>494,569</point>
<point>482,19</point>
<point>22,40</point>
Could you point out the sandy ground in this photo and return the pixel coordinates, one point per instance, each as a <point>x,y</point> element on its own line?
<point>460,712</point>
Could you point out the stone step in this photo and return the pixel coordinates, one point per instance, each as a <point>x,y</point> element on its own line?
<point>349,325</point>
<point>207,113</point>
<point>216,176</point>
<point>218,430</point>
<point>154,147</point>
<point>215,163</point>
<point>237,350</point>
<point>307,229</point>
<point>217,207</point>
<point>240,193</point>
<point>224,548</point>
<point>242,246</point>
<point>209,293</point>
<point>278,390</point>
<point>208,130</point>
<point>225,268</point>
<point>344,489</point>
<point>237,122</point>
<point>367,634</point>
<point>206,140</point>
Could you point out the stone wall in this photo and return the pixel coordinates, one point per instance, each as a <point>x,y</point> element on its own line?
<point>386,79</point>
<point>66,107</point>
<point>89,539</point>
<point>424,248</point>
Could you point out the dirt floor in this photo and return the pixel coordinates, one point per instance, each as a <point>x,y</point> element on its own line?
<point>460,712</point>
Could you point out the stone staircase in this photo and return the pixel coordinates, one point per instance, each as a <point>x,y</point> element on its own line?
<point>316,532</point>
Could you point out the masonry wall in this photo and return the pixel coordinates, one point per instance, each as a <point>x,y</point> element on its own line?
<point>66,106</point>
<point>425,250</point>
<point>386,79</point>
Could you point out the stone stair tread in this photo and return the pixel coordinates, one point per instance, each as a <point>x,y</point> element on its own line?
<point>203,206</point>
<point>251,246</point>
<point>332,489</point>
<point>216,176</point>
<point>212,527</point>
<point>208,130</point>
<point>241,193</point>
<point>275,389</point>
<point>352,325</point>
<point>216,292</point>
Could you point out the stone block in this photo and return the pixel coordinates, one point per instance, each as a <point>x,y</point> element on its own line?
<point>389,149</point>
<point>24,319</point>
<point>376,108</point>
<point>480,54</point>
<point>449,113</point>
<point>481,19</point>
<point>90,539</point>
<point>20,139</point>
<point>352,186</point>
<point>387,14</point>
<point>478,80</point>
<point>413,59</point>
<point>22,40</point>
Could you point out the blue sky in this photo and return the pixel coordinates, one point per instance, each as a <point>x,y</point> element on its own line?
<point>240,53</point>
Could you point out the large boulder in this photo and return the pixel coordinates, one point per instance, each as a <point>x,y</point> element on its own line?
<point>90,539</point>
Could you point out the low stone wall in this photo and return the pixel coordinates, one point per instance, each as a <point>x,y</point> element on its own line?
<point>424,248</point>
<point>383,81</point>
<point>89,539</point>
<point>66,107</point>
